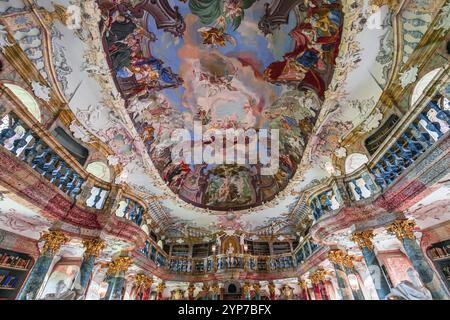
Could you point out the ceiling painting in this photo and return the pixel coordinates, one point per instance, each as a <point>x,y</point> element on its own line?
<point>310,69</point>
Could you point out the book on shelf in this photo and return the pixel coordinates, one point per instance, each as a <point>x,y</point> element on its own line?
<point>9,260</point>
<point>7,281</point>
<point>439,252</point>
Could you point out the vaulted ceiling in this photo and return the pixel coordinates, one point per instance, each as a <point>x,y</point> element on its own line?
<point>313,69</point>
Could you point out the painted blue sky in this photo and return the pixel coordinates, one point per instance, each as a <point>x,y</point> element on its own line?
<point>247,36</point>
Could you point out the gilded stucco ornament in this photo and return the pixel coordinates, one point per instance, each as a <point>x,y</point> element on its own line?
<point>318,276</point>
<point>363,239</point>
<point>53,241</point>
<point>93,247</point>
<point>118,264</point>
<point>160,287</point>
<point>403,229</point>
<point>143,280</point>
<point>341,258</point>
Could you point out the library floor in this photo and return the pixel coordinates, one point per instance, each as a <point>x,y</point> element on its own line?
<point>224,150</point>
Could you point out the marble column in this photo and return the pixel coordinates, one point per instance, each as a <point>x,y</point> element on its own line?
<point>53,241</point>
<point>272,292</point>
<point>257,289</point>
<point>116,277</point>
<point>142,286</point>
<point>357,293</point>
<point>216,291</point>
<point>93,249</point>
<point>403,230</point>
<point>160,290</point>
<point>364,241</point>
<point>246,291</point>
<point>303,290</point>
<point>190,291</point>
<point>337,257</point>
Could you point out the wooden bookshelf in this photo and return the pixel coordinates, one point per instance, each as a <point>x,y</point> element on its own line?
<point>14,269</point>
<point>201,250</point>
<point>439,253</point>
<point>180,250</point>
<point>257,248</point>
<point>281,248</point>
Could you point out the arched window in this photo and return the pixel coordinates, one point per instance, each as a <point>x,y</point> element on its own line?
<point>354,162</point>
<point>422,85</point>
<point>100,170</point>
<point>27,99</point>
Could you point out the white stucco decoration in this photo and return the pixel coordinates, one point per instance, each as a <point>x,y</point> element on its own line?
<point>4,42</point>
<point>42,92</point>
<point>409,76</point>
<point>79,132</point>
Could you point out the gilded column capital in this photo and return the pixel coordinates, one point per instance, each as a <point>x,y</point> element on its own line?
<point>257,287</point>
<point>215,288</point>
<point>363,239</point>
<point>119,264</point>
<point>318,276</point>
<point>341,258</point>
<point>402,229</point>
<point>143,280</point>
<point>302,284</point>
<point>93,247</point>
<point>206,287</point>
<point>160,287</point>
<point>191,289</point>
<point>53,241</point>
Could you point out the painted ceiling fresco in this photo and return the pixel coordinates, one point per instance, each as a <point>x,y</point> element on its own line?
<point>137,70</point>
<point>219,68</point>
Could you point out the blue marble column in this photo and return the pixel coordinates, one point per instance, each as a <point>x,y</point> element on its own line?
<point>93,248</point>
<point>116,278</point>
<point>36,277</point>
<point>116,283</point>
<point>344,287</point>
<point>403,229</point>
<point>364,241</point>
<point>53,241</point>
<point>357,293</point>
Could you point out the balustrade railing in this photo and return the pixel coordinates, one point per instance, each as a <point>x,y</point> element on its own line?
<point>152,252</point>
<point>416,137</point>
<point>131,210</point>
<point>304,250</point>
<point>26,139</point>
<point>231,262</point>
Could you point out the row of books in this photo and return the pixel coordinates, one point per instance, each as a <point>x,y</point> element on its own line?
<point>439,252</point>
<point>7,281</point>
<point>14,261</point>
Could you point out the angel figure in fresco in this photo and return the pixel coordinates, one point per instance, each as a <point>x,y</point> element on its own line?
<point>316,46</point>
<point>137,74</point>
